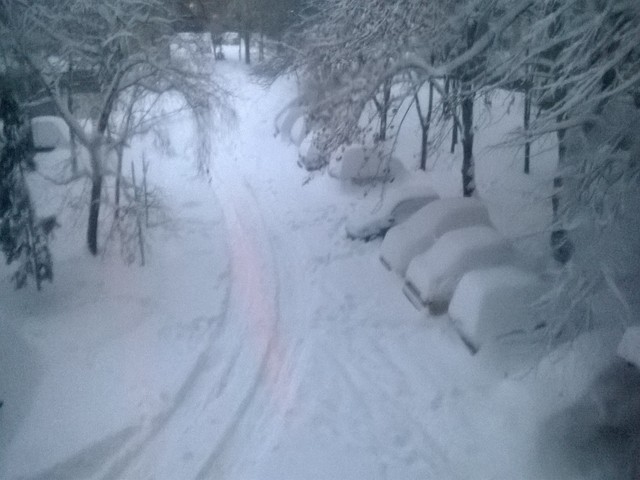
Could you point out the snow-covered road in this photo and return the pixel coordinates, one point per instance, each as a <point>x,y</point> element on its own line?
<point>265,346</point>
<point>353,382</point>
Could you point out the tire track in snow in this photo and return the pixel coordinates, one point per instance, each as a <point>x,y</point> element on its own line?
<point>219,392</point>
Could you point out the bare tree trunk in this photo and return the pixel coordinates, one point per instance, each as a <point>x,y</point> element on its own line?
<point>72,135</point>
<point>425,124</point>
<point>261,51</point>
<point>468,167</point>
<point>557,180</point>
<point>561,245</point>
<point>527,120</point>
<point>94,213</point>
<point>247,46</point>
<point>120,154</point>
<point>136,198</point>
<point>454,111</point>
<point>382,107</point>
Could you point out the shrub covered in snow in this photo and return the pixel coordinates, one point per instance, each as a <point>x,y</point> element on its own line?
<point>433,276</point>
<point>493,302</point>
<point>399,201</point>
<point>362,164</point>
<point>309,155</point>
<point>422,229</point>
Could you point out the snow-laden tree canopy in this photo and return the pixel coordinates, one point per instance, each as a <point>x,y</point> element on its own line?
<point>121,54</point>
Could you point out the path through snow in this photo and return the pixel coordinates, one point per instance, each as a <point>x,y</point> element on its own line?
<point>315,367</point>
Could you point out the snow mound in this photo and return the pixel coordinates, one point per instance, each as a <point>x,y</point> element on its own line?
<point>49,132</point>
<point>399,202</point>
<point>433,276</point>
<point>493,302</point>
<point>310,156</point>
<point>20,372</point>
<point>629,347</point>
<point>423,228</point>
<point>291,125</point>
<point>362,164</point>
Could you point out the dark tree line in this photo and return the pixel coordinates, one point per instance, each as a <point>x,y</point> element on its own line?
<point>23,237</point>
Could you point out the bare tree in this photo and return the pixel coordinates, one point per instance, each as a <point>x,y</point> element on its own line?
<point>117,46</point>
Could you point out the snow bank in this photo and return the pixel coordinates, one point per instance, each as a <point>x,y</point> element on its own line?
<point>398,202</point>
<point>20,371</point>
<point>291,125</point>
<point>493,302</point>
<point>629,347</point>
<point>310,157</point>
<point>432,276</point>
<point>49,132</point>
<point>422,229</point>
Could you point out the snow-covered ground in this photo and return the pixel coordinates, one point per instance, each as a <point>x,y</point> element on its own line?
<point>260,343</point>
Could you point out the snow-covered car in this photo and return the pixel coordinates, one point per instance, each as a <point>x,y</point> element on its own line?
<point>423,228</point>
<point>433,275</point>
<point>361,164</point>
<point>49,132</point>
<point>492,303</point>
<point>397,203</point>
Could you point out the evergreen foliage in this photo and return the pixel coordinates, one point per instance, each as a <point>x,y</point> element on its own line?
<point>24,240</point>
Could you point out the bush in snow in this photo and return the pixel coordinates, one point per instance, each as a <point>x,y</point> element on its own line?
<point>24,239</point>
<point>601,430</point>
<point>362,164</point>
<point>309,154</point>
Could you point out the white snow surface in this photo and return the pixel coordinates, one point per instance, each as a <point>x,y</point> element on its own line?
<point>435,273</point>
<point>258,342</point>
<point>629,347</point>
<point>491,303</point>
<point>416,235</point>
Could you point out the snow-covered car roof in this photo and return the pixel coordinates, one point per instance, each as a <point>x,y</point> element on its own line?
<point>396,204</point>
<point>433,276</point>
<point>423,228</point>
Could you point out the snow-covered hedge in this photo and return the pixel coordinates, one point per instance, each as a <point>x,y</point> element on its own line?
<point>433,276</point>
<point>423,228</point>
<point>310,157</point>
<point>362,164</point>
<point>493,302</point>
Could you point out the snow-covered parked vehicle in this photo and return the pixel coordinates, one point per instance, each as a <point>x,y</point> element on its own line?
<point>492,303</point>
<point>398,202</point>
<point>421,230</point>
<point>362,164</point>
<point>49,132</point>
<point>433,275</point>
